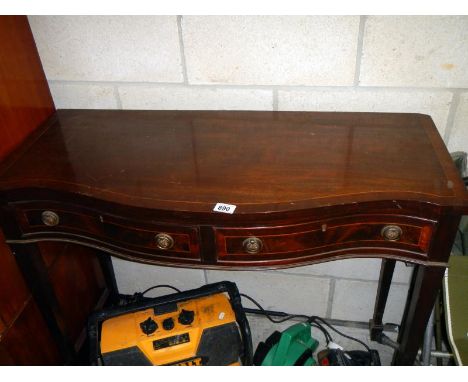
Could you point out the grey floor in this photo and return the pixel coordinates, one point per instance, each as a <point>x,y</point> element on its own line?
<point>261,329</point>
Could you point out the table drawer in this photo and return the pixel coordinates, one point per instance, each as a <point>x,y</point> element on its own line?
<point>333,235</point>
<point>159,238</point>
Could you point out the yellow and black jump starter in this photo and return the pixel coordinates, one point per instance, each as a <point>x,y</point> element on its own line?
<point>204,326</point>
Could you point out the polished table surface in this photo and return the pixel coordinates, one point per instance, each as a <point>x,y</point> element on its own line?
<point>301,188</point>
<point>259,161</point>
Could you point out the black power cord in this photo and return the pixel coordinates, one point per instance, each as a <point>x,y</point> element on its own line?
<point>160,286</point>
<point>286,316</point>
<point>267,315</point>
<point>315,318</point>
<point>138,296</point>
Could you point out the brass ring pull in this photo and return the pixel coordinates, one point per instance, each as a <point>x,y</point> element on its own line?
<point>164,241</point>
<point>391,232</point>
<point>50,218</point>
<point>252,245</point>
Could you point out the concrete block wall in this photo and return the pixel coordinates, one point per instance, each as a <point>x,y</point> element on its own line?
<point>317,63</point>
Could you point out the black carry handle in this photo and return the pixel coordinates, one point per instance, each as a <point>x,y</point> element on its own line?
<point>229,287</point>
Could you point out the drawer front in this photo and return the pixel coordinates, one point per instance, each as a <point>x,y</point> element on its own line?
<point>387,233</point>
<point>158,239</point>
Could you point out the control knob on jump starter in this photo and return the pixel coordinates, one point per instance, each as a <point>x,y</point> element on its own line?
<point>168,324</point>
<point>186,317</point>
<point>148,326</point>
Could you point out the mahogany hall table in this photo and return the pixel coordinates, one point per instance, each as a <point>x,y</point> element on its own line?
<point>295,188</point>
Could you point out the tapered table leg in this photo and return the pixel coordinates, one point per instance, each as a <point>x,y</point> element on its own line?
<point>385,280</point>
<point>108,270</point>
<point>34,271</point>
<point>422,295</point>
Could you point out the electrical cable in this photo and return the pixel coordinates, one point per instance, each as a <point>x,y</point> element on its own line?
<point>326,334</point>
<point>287,316</point>
<point>138,296</point>
<point>314,318</point>
<point>160,286</point>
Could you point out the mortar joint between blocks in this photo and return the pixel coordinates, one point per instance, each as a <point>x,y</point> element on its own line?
<point>117,97</point>
<point>182,50</point>
<point>275,99</point>
<point>331,293</point>
<point>259,87</point>
<point>451,114</point>
<point>359,49</point>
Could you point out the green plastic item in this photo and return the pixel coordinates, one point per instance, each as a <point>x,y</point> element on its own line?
<point>295,344</point>
<point>456,307</point>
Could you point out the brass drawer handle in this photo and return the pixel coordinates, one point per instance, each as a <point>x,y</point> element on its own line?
<point>164,241</point>
<point>50,218</point>
<point>391,232</point>
<point>252,245</point>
